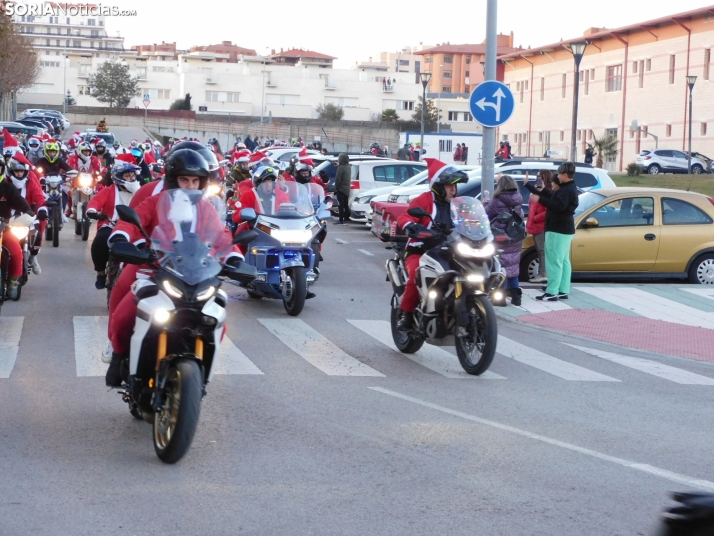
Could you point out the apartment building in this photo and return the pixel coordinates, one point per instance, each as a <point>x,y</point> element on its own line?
<point>402,61</point>
<point>636,72</point>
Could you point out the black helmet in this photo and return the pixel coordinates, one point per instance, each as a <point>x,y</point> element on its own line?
<point>185,162</point>
<point>299,168</point>
<point>19,167</point>
<point>448,175</point>
<point>264,173</point>
<point>206,153</point>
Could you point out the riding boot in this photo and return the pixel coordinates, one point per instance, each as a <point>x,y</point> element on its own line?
<point>406,323</point>
<point>13,286</point>
<point>114,376</point>
<point>516,294</point>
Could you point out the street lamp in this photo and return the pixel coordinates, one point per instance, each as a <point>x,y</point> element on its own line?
<point>578,50</point>
<point>690,82</point>
<point>425,77</point>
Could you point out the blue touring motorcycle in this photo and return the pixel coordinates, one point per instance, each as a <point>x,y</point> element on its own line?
<point>282,252</point>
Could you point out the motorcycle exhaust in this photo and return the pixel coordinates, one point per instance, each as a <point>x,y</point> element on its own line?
<point>395,277</point>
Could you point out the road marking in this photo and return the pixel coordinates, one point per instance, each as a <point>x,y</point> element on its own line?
<point>366,252</point>
<point>10,333</point>
<point>642,467</point>
<point>562,369</point>
<point>316,349</point>
<point>341,241</point>
<point>232,361</point>
<point>530,304</point>
<point>652,306</point>
<point>654,368</point>
<point>703,292</point>
<point>431,357</point>
<point>90,338</point>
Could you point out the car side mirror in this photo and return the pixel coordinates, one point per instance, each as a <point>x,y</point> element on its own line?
<point>248,215</point>
<point>591,223</point>
<point>418,212</point>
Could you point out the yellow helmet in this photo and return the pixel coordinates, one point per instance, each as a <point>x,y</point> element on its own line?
<point>51,146</point>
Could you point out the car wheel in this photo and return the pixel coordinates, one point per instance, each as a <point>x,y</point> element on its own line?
<point>529,266</point>
<point>702,270</point>
<point>654,169</point>
<point>697,169</point>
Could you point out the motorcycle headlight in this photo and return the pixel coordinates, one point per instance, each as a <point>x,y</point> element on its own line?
<point>85,180</point>
<point>20,232</point>
<point>292,236</point>
<point>214,189</point>
<point>467,251</point>
<point>161,316</point>
<point>202,296</point>
<point>172,290</point>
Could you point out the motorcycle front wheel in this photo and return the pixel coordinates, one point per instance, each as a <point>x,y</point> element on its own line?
<point>295,290</point>
<point>175,425</point>
<point>86,223</point>
<point>476,350</point>
<point>56,222</point>
<point>406,342</point>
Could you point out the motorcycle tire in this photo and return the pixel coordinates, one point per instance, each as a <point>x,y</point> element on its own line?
<point>253,295</point>
<point>406,342</point>
<point>175,425</point>
<point>77,225</point>
<point>477,354</point>
<point>136,412</point>
<point>298,281</point>
<point>86,223</point>
<point>56,222</point>
<point>48,232</point>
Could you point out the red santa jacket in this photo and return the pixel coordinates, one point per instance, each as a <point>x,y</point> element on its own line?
<point>93,165</point>
<point>105,202</point>
<point>251,199</point>
<point>32,192</point>
<point>146,191</point>
<point>425,201</point>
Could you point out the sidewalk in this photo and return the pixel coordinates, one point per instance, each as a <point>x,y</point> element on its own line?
<point>673,319</point>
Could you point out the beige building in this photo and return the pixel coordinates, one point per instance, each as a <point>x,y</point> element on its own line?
<point>403,61</point>
<point>636,72</point>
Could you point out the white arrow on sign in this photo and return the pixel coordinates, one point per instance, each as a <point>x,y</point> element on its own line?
<point>496,106</point>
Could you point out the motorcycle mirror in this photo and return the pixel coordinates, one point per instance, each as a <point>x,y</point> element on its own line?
<point>248,215</point>
<point>418,212</point>
<point>245,237</point>
<point>129,215</point>
<point>129,253</point>
<point>245,273</point>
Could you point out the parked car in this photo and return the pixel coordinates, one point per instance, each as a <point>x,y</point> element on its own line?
<point>284,154</point>
<point>54,121</point>
<point>14,127</point>
<point>108,137</point>
<point>59,115</point>
<point>669,161</point>
<point>638,233</point>
<point>586,176</point>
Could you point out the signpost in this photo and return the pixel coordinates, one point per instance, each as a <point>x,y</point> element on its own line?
<point>491,103</point>
<point>147,101</point>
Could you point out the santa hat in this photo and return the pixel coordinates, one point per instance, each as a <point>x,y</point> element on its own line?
<point>10,141</point>
<point>126,157</point>
<point>77,134</point>
<point>305,158</point>
<point>257,157</point>
<point>20,157</point>
<point>434,168</point>
<point>241,156</point>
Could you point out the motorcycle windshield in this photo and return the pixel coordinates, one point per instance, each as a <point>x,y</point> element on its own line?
<point>470,218</point>
<point>189,238</point>
<point>285,199</point>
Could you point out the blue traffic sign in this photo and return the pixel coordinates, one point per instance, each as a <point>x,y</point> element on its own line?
<point>491,103</point>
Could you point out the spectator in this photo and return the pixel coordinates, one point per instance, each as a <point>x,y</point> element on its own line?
<point>389,83</point>
<point>343,178</point>
<point>457,153</point>
<point>509,152</point>
<point>384,83</point>
<point>535,225</point>
<point>403,153</point>
<point>561,203</point>
<point>464,154</point>
<point>323,150</point>
<point>589,154</point>
<point>249,143</point>
<point>506,199</point>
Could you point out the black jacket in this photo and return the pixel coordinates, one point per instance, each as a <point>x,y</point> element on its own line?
<point>11,198</point>
<point>561,205</point>
<point>53,168</point>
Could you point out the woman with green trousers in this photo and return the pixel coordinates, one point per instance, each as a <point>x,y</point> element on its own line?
<point>561,203</point>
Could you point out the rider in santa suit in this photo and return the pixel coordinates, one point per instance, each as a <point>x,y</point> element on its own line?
<point>185,169</point>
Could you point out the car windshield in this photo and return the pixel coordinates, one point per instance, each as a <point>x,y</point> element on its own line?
<point>189,238</point>
<point>470,218</point>
<point>587,200</point>
<point>282,199</point>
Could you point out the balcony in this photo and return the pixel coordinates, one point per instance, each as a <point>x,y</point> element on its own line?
<point>387,89</point>
<point>330,87</point>
<point>270,83</point>
<point>210,81</point>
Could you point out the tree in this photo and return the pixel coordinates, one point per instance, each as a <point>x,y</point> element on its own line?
<point>69,99</point>
<point>390,116</point>
<point>330,112</point>
<point>430,118</point>
<point>182,104</point>
<point>113,84</point>
<point>605,147</point>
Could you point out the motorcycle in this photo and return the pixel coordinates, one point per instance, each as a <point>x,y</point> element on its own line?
<point>25,231</point>
<point>53,193</point>
<point>456,281</point>
<point>82,193</point>
<point>283,252</point>
<point>180,316</point>
<point>113,268</point>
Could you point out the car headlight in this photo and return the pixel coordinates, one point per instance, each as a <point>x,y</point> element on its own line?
<point>172,290</point>
<point>202,296</point>
<point>292,236</point>
<point>467,251</point>
<point>20,232</point>
<point>85,180</point>
<point>161,316</point>
<point>364,199</point>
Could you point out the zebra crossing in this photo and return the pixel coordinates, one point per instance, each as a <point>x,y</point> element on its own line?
<point>301,341</point>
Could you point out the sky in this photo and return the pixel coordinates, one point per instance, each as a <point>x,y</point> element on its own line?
<point>355,31</point>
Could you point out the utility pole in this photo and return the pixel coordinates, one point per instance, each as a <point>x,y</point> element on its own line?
<point>488,147</point>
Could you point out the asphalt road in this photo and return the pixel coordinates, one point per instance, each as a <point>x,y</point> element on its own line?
<point>295,450</point>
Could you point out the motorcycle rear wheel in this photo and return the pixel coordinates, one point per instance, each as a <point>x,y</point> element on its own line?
<point>56,222</point>
<point>297,279</point>
<point>406,342</point>
<point>476,355</point>
<point>175,425</point>
<point>77,227</point>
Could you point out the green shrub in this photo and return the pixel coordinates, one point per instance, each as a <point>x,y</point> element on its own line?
<point>633,170</point>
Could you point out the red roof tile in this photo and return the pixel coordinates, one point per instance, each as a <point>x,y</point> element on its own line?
<point>298,53</point>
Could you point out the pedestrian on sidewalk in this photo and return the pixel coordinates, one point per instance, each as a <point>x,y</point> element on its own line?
<point>561,203</point>
<point>343,179</point>
<point>535,225</point>
<point>464,154</point>
<point>457,153</point>
<point>507,199</point>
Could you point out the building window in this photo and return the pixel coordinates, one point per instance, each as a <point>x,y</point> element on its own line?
<point>49,64</point>
<point>344,102</point>
<point>671,68</point>
<point>94,33</point>
<point>57,42</point>
<point>614,78</point>
<point>77,44</point>
<point>542,88</point>
<point>445,146</point>
<point>428,59</point>
<point>648,65</point>
<point>84,90</point>
<point>703,129</point>
<point>562,135</point>
<point>404,62</point>
<point>155,93</point>
<point>453,116</point>
<point>222,96</point>
<point>468,116</point>
<point>466,75</point>
<point>467,89</point>
<point>91,22</point>
<point>446,89</point>
<point>668,131</point>
<point>634,67</point>
<point>564,82</point>
<point>448,59</point>
<point>141,72</point>
<point>641,74</point>
<point>707,61</point>
<point>405,105</point>
<point>447,74</point>
<point>586,88</point>
<point>160,69</point>
<point>592,74</point>
<point>47,42</point>
<point>84,69</point>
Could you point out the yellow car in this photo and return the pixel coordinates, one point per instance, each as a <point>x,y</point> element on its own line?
<point>636,233</point>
